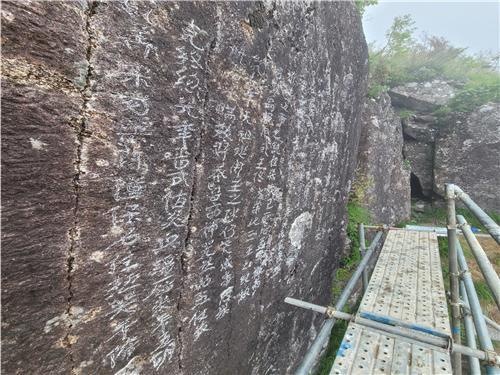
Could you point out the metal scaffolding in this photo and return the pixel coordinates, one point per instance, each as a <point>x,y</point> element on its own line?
<point>402,324</point>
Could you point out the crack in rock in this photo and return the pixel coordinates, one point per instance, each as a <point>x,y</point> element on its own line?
<point>81,133</point>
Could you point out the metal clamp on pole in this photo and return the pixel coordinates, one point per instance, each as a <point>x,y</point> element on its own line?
<point>492,358</point>
<point>330,312</point>
<point>453,265</point>
<point>464,273</point>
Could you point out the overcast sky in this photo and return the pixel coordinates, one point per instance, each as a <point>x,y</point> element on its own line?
<point>474,25</point>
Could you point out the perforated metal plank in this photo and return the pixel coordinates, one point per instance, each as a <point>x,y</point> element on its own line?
<point>384,354</point>
<point>406,284</point>
<point>347,350</point>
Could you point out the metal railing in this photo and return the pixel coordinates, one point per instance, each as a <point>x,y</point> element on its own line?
<point>464,300</point>
<point>321,340</point>
<point>461,283</point>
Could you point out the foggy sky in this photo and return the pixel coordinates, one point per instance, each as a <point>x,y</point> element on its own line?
<point>474,25</point>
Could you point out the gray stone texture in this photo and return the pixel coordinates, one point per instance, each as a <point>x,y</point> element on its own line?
<point>170,172</point>
<point>468,154</point>
<point>422,96</point>
<point>420,128</point>
<point>461,148</point>
<point>419,133</point>
<point>381,164</point>
<point>43,60</point>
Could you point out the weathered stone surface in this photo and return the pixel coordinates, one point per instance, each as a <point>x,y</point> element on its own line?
<point>420,156</point>
<point>419,134</point>
<point>420,128</point>
<point>440,153</point>
<point>422,96</point>
<point>43,48</point>
<point>381,165</point>
<point>205,180</point>
<point>468,154</point>
<point>47,42</point>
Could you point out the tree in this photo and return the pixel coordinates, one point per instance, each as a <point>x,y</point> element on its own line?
<point>362,4</point>
<point>405,59</point>
<point>400,35</point>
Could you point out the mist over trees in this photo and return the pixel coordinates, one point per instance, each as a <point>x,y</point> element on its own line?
<point>406,58</point>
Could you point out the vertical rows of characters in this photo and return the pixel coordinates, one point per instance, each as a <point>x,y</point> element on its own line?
<point>189,92</point>
<point>242,153</point>
<point>129,187</point>
<point>143,258</point>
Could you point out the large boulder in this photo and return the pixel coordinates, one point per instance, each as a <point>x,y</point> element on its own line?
<point>382,173</point>
<point>468,154</point>
<point>422,96</point>
<point>170,172</point>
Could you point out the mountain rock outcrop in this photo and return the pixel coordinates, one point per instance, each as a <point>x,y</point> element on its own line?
<point>419,101</point>
<point>461,148</point>
<point>381,172</point>
<point>468,154</point>
<point>170,172</point>
<point>422,96</point>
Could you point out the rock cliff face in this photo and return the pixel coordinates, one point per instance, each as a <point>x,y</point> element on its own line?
<point>381,168</point>
<point>468,154</point>
<point>171,171</point>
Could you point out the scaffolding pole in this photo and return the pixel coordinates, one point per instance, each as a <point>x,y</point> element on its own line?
<point>490,225</point>
<point>474,367</point>
<point>362,251</point>
<point>489,273</point>
<point>471,297</point>
<point>408,332</point>
<point>453,265</point>
<point>323,336</point>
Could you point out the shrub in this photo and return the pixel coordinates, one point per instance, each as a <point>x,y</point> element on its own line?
<point>362,4</point>
<point>406,114</point>
<point>475,93</point>
<point>405,59</point>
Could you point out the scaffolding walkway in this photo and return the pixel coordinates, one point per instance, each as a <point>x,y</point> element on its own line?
<point>402,325</point>
<point>406,284</point>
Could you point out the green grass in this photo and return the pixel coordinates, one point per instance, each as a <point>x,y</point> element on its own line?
<point>443,254</point>
<point>406,114</point>
<point>356,214</point>
<point>496,345</point>
<point>437,216</point>
<point>483,291</point>
<point>336,337</point>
